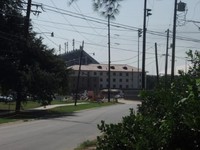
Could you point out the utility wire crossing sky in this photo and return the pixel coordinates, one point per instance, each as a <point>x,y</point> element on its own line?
<point>81,23</point>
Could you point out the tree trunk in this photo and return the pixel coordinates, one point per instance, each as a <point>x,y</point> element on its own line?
<point>18,102</point>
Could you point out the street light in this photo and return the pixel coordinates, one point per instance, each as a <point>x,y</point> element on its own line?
<point>51,33</point>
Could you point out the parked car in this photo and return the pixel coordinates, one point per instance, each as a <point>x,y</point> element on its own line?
<point>6,98</point>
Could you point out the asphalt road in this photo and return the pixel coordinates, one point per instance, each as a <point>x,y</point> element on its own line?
<point>63,133</point>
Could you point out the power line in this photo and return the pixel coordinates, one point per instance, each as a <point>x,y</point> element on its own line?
<point>117,25</point>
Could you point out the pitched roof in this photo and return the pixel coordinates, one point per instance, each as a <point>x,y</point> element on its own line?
<point>104,67</point>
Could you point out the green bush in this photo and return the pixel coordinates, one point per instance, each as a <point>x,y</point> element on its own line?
<point>168,119</point>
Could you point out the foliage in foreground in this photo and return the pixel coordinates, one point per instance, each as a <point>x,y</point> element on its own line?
<point>168,119</point>
<point>29,69</point>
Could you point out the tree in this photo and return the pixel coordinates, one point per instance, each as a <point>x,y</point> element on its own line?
<point>108,9</point>
<point>11,48</point>
<point>168,118</point>
<point>47,73</point>
<point>28,68</point>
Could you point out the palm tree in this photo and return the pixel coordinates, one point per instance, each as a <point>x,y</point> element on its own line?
<point>108,9</point>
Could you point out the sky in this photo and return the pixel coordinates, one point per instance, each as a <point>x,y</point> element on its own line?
<point>81,23</point>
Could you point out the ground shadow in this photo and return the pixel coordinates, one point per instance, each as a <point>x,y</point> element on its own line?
<point>33,114</point>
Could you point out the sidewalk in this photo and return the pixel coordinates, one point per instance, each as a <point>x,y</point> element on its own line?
<point>41,108</point>
<point>129,101</point>
<point>71,104</point>
<point>56,105</point>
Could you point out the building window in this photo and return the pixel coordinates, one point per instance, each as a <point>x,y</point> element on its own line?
<point>127,74</point>
<point>120,86</point>
<point>95,73</point>
<point>127,86</point>
<point>101,79</point>
<point>127,80</point>
<point>101,73</point>
<point>114,80</point>
<point>120,80</point>
<point>120,74</point>
<point>95,79</point>
<point>114,73</point>
<point>101,86</point>
<point>114,86</point>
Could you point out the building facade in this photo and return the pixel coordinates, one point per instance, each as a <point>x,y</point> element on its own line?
<point>95,77</point>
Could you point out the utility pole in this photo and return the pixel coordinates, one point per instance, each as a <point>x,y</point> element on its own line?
<point>65,47</point>
<point>139,35</point>
<point>79,71</point>
<point>174,41</point>
<point>59,49</point>
<point>26,35</point>
<point>181,8</point>
<point>156,56</point>
<point>109,58</point>
<point>73,44</point>
<point>166,57</point>
<point>25,44</point>
<point>27,22</point>
<point>144,45</point>
<point>146,13</point>
<point>27,18</point>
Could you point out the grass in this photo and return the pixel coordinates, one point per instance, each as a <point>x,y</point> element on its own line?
<point>49,113</point>
<point>11,105</point>
<point>70,109</point>
<point>6,120</point>
<point>28,105</point>
<point>87,145</point>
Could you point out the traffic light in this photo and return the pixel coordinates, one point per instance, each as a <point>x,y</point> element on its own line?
<point>139,32</point>
<point>148,12</point>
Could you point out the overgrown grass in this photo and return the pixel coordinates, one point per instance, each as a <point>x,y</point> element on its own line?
<point>87,144</point>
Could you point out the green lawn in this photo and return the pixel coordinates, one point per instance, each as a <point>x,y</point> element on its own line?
<point>6,120</point>
<point>11,106</point>
<point>50,113</point>
<point>28,105</point>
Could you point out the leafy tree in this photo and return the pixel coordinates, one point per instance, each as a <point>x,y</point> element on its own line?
<point>11,38</point>
<point>168,118</point>
<point>28,68</point>
<point>108,9</point>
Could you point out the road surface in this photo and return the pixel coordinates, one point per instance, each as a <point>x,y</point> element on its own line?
<point>63,133</point>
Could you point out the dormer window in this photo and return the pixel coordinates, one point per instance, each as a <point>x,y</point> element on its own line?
<point>112,67</point>
<point>125,68</point>
<point>99,67</point>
